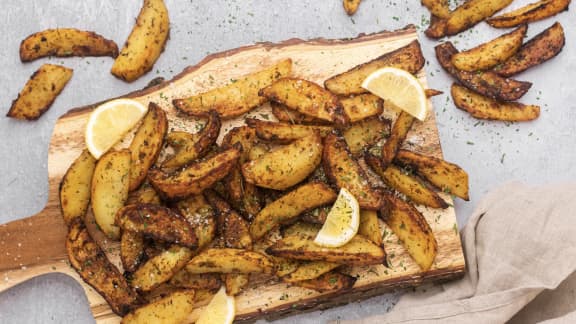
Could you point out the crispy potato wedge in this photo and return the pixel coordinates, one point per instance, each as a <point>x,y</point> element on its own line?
<point>290,206</point>
<point>486,83</point>
<point>287,115</point>
<point>286,166</point>
<point>432,92</point>
<point>258,151</point>
<point>161,268</point>
<point>143,195</point>
<point>145,43</point>
<point>405,183</point>
<point>110,190</point>
<point>132,252</point>
<point>284,266</point>
<point>235,283</point>
<point>438,8</point>
<point>407,58</point>
<point>343,171</point>
<point>40,92</point>
<point>308,98</point>
<point>227,260</point>
<point>201,216</point>
<point>537,50</point>
<point>351,6</point>
<point>446,176</point>
<point>400,130</point>
<point>88,259</point>
<point>412,229</point>
<point>492,53</point>
<point>233,228</point>
<point>436,28</point>
<point>183,279</point>
<point>227,100</point>
<point>172,309</point>
<point>362,106</point>
<point>530,13</point>
<point>75,187</point>
<point>63,42</point>
<point>244,136</point>
<point>365,133</point>
<point>485,108</point>
<point>195,177</point>
<point>472,12</point>
<point>328,282</point>
<point>310,270</point>
<point>284,133</point>
<point>147,143</point>
<point>190,147</point>
<point>369,226</point>
<point>157,222</point>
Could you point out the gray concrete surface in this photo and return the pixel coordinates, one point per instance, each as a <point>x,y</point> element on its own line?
<point>492,152</point>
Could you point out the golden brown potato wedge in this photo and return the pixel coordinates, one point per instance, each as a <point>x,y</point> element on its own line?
<point>447,176</point>
<point>172,309</point>
<point>328,282</point>
<point>369,226</point>
<point>492,53</point>
<point>132,252</point>
<point>485,108</point>
<point>146,145</point>
<point>226,260</point>
<point>537,50</point>
<point>184,279</point>
<point>75,188</point>
<point>244,136</point>
<point>436,28</point>
<point>351,6</point>
<point>235,283</point>
<point>366,133</point>
<point>145,43</point>
<point>472,12</point>
<point>238,97</point>
<point>201,216</point>
<point>40,92</point>
<point>232,227</point>
<point>486,83</point>
<point>362,106</point>
<point>290,206</point>
<point>161,268</point>
<point>310,270</point>
<point>308,98</point>
<point>432,92</point>
<point>195,177</point>
<point>64,42</point>
<point>284,266</point>
<point>530,13</point>
<point>190,147</point>
<point>412,229</point>
<point>284,133</point>
<point>287,115</point>
<point>343,171</point>
<point>400,130</point>
<point>110,190</point>
<point>438,8</point>
<point>143,195</point>
<point>286,166</point>
<point>88,259</point>
<point>407,58</point>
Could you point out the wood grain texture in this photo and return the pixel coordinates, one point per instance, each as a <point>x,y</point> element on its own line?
<point>34,246</point>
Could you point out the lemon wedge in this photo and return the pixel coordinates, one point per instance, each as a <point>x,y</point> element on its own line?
<point>399,87</point>
<point>342,221</point>
<point>109,122</point>
<point>220,310</point>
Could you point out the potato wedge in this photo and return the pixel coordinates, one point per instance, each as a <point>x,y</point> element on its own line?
<point>329,282</point>
<point>110,190</point>
<point>438,8</point>
<point>287,115</point>
<point>351,6</point>
<point>157,222</point>
<point>161,268</point>
<point>88,259</point>
<point>195,177</point>
<point>530,13</point>
<point>143,195</point>
<point>400,130</point>
<point>343,171</point>
<point>235,283</point>
<point>172,309</point>
<point>233,228</point>
<point>446,176</point>
<point>432,93</point>
<point>147,143</point>
<point>290,206</point>
<point>244,196</point>
<point>284,133</point>
<point>132,252</point>
<point>238,97</point>
<point>308,98</point>
<point>40,92</point>
<point>362,106</point>
<point>365,133</point>
<point>436,28</point>
<point>201,216</point>
<point>486,83</point>
<point>492,53</point>
<point>537,50</point>
<point>226,260</point>
<point>145,43</point>
<point>63,42</point>
<point>485,108</point>
<point>286,166</point>
<point>369,227</point>
<point>472,12</point>
<point>310,270</point>
<point>412,229</point>
<point>75,187</point>
<point>284,266</point>
<point>407,58</point>
<point>183,279</point>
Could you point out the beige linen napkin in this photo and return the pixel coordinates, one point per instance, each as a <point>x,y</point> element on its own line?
<point>520,246</point>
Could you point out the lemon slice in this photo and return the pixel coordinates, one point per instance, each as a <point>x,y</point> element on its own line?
<point>220,310</point>
<point>109,122</point>
<point>341,223</point>
<point>399,87</point>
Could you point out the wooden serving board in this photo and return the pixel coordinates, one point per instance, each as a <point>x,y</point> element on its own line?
<point>35,245</point>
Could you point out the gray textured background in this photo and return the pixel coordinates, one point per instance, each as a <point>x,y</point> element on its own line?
<point>492,152</point>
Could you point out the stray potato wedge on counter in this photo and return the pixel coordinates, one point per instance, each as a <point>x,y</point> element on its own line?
<point>351,6</point>
<point>485,108</point>
<point>530,13</point>
<point>75,188</point>
<point>369,226</point>
<point>160,268</point>
<point>63,42</point>
<point>438,8</point>
<point>201,216</point>
<point>362,106</point>
<point>145,43</point>
<point>183,279</point>
<point>233,228</point>
<point>172,309</point>
<point>365,133</point>
<point>310,270</point>
<point>284,133</point>
<point>400,130</point>
<point>472,12</point>
<point>328,282</point>
<point>537,50</point>
<point>407,58</point>
<point>227,260</point>
<point>227,102</point>
<point>40,92</point>
<point>492,53</point>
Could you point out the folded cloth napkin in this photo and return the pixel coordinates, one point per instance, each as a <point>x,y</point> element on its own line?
<point>520,248</point>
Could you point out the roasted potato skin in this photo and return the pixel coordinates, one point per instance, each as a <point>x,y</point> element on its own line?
<point>400,130</point>
<point>132,253</point>
<point>227,260</point>
<point>40,92</point>
<point>282,132</point>
<point>529,13</point>
<point>63,42</point>
<point>75,187</point>
<point>366,132</point>
<point>329,282</point>
<point>233,228</point>
<point>172,309</point>
<point>160,268</point>
<point>183,279</point>
<point>472,12</point>
<point>436,28</point>
<point>201,216</point>
<point>235,283</point>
